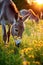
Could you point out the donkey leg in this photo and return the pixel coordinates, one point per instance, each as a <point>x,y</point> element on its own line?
<point>4,31</point>
<point>8,33</point>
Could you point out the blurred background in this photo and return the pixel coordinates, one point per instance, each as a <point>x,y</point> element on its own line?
<point>30,4</point>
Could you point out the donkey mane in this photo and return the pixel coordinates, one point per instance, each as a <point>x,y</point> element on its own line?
<point>13,7</point>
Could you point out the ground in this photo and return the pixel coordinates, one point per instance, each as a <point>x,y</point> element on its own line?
<point>30,51</point>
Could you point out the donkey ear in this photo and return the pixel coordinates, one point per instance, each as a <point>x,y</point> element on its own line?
<point>24,12</point>
<point>25,17</point>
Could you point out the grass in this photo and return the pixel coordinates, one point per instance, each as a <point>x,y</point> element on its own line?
<point>30,51</point>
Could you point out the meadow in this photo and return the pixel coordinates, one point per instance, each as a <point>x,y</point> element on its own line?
<point>30,51</point>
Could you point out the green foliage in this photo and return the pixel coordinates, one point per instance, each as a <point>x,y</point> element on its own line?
<point>21,4</point>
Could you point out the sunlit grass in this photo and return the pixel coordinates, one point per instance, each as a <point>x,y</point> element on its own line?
<point>30,51</point>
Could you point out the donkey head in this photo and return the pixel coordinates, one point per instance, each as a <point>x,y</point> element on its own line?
<point>18,26</point>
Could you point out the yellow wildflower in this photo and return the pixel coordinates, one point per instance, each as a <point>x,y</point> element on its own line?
<point>26,63</point>
<point>31,56</point>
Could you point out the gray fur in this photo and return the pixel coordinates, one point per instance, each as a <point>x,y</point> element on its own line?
<point>10,14</point>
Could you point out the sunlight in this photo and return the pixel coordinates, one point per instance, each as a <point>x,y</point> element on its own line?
<point>28,1</point>
<point>39,1</point>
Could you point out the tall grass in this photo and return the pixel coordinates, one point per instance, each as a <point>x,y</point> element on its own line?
<point>30,51</point>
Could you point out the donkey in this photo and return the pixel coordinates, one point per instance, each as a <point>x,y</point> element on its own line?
<point>32,16</point>
<point>10,15</point>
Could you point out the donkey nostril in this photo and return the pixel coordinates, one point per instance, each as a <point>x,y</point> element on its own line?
<point>16,30</point>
